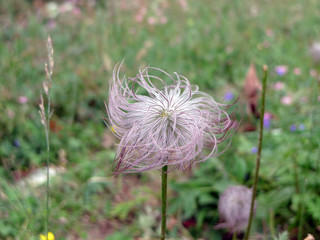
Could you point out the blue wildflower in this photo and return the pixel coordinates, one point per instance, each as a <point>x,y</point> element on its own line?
<point>254,150</point>
<point>229,96</point>
<point>293,128</point>
<point>16,143</point>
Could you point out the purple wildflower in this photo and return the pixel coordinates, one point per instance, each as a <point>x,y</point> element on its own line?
<point>267,120</point>
<point>254,150</point>
<point>234,208</point>
<point>286,100</point>
<point>16,143</point>
<point>281,70</point>
<point>23,100</point>
<point>267,123</point>
<point>302,127</point>
<point>229,96</point>
<point>169,124</point>
<point>293,128</point>
<point>278,86</point>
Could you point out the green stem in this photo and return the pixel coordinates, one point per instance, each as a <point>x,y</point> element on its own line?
<point>272,229</point>
<point>296,176</point>
<point>164,202</point>
<point>234,236</point>
<point>301,211</point>
<point>264,84</point>
<point>48,162</point>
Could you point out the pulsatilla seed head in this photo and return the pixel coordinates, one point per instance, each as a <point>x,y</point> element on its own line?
<point>234,208</point>
<point>162,119</point>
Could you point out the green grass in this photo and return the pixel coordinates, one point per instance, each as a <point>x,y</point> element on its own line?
<point>212,43</point>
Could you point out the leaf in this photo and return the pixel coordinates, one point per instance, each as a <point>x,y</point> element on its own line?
<point>252,87</point>
<point>189,204</point>
<point>200,218</point>
<point>282,236</point>
<point>6,230</point>
<point>206,199</point>
<point>273,199</point>
<point>118,236</point>
<point>123,209</point>
<point>313,207</point>
<point>240,169</point>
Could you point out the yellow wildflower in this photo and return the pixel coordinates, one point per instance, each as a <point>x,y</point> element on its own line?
<point>50,236</point>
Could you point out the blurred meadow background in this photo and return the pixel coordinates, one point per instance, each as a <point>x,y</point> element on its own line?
<point>213,44</point>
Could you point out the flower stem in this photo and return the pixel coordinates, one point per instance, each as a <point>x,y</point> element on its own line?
<point>234,236</point>
<point>164,202</point>
<point>272,229</point>
<point>264,86</point>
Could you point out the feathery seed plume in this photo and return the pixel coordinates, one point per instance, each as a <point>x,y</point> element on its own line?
<point>234,208</point>
<point>162,119</point>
